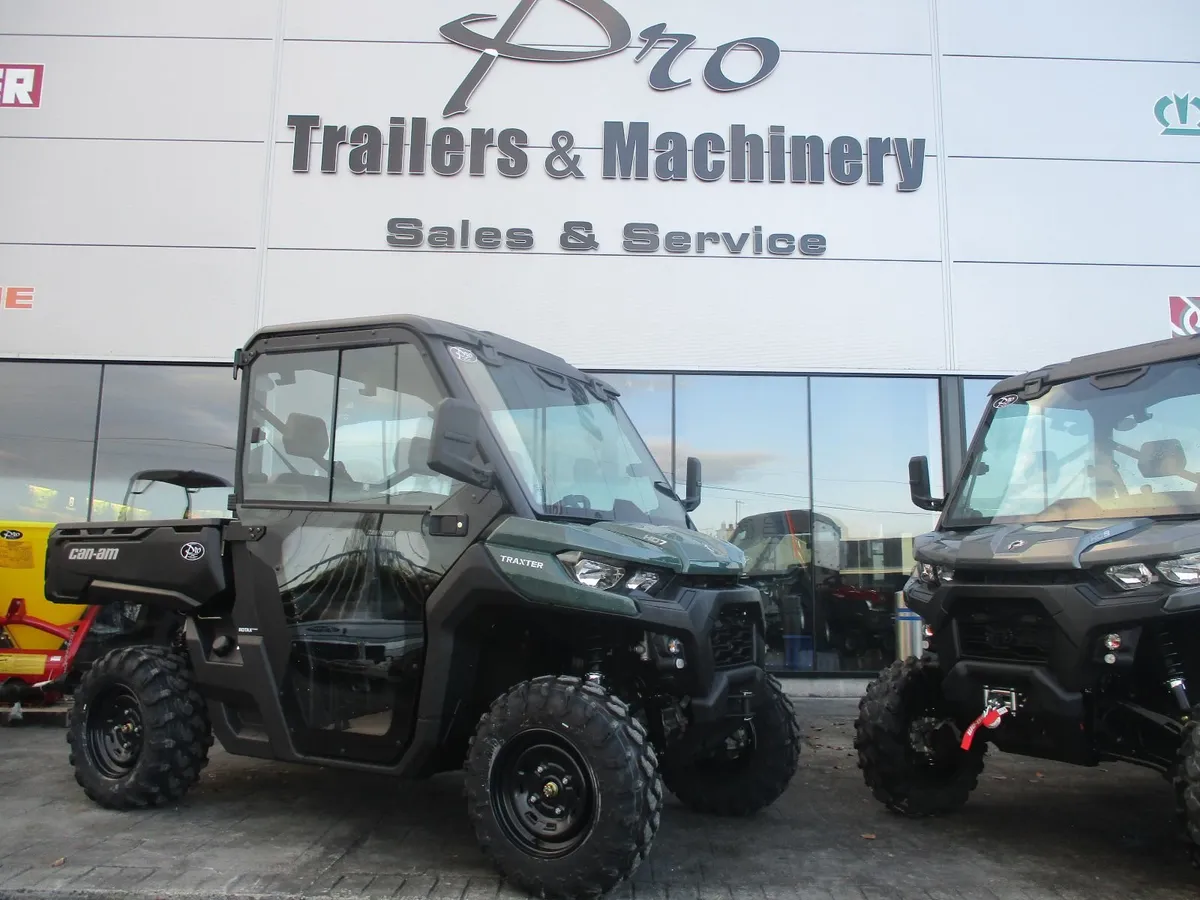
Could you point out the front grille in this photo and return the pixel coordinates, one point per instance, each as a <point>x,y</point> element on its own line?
<point>1020,576</point>
<point>732,638</point>
<point>1004,630</point>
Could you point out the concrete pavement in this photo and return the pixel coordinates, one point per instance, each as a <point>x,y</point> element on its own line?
<point>265,830</point>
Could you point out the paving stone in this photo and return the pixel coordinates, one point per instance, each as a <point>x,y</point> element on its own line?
<point>417,887</point>
<point>258,829</point>
<point>382,886</point>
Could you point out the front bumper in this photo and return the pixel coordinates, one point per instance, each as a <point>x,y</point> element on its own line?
<point>724,650</point>
<point>1043,640</point>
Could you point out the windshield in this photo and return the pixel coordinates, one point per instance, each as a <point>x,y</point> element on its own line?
<point>577,454</point>
<point>1122,445</point>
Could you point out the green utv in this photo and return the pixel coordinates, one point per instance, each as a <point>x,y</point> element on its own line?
<point>448,550</point>
<point>1060,592</point>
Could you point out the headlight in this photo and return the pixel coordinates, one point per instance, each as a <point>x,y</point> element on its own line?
<point>1185,570</point>
<point>604,576</point>
<point>931,575</point>
<point>596,574</point>
<point>1130,577</point>
<point>641,581</point>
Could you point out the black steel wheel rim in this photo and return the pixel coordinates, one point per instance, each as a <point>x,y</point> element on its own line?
<point>114,731</point>
<point>733,754</point>
<point>933,744</point>
<point>543,794</point>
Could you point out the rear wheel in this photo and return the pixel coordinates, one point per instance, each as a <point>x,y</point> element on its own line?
<point>563,788</point>
<point>907,744</point>
<point>138,729</point>
<point>752,768</point>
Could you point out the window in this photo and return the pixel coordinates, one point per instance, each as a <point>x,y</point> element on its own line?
<point>368,410</point>
<point>288,427</point>
<point>750,433</point>
<point>159,419</point>
<point>1089,449</point>
<point>47,429</point>
<point>574,448</point>
<point>647,400</point>
<point>864,430</point>
<point>386,400</point>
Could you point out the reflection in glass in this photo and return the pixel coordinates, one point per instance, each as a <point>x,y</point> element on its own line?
<point>47,429</point>
<point>165,418</point>
<point>750,434</point>
<point>864,432</point>
<point>647,400</point>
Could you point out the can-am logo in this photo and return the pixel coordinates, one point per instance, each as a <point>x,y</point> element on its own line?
<point>21,85</point>
<point>1178,115</point>
<point>617,33</point>
<point>1185,316</point>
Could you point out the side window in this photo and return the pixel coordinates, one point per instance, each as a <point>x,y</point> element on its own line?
<point>289,427</point>
<point>385,403</point>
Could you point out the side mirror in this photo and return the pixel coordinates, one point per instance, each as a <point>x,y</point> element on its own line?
<point>456,427</point>
<point>918,484</point>
<point>692,498</point>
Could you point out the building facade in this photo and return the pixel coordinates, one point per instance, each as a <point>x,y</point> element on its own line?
<point>801,239</point>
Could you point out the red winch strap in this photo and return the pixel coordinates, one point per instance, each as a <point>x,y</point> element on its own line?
<point>990,718</point>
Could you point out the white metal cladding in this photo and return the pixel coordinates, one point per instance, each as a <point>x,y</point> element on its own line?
<point>151,200</point>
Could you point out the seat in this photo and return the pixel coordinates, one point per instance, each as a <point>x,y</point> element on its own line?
<point>304,437</point>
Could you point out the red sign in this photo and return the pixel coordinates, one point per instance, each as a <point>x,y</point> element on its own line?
<point>1185,316</point>
<point>21,85</point>
<point>16,298</point>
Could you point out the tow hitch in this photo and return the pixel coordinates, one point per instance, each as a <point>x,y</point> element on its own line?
<point>997,703</point>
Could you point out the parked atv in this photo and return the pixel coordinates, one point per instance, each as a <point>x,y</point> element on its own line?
<point>449,551</point>
<point>1060,591</point>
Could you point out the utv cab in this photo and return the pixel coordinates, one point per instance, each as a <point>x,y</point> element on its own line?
<point>1060,591</point>
<point>448,550</point>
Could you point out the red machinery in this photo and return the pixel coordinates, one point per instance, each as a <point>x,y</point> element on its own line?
<point>36,678</point>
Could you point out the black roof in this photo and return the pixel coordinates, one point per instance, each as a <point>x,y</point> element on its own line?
<point>1108,361</point>
<point>470,337</point>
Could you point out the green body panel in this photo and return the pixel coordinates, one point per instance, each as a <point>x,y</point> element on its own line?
<point>526,551</point>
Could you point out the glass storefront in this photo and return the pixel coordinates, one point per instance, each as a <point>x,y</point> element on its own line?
<point>808,475</point>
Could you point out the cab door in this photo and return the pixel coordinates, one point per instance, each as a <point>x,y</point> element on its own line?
<point>335,469</point>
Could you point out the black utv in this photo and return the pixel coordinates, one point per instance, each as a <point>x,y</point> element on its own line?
<point>447,550</point>
<point>1060,592</point>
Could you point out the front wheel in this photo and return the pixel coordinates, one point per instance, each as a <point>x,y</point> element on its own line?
<point>1186,777</point>
<point>907,744</point>
<point>753,768</point>
<point>563,788</point>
